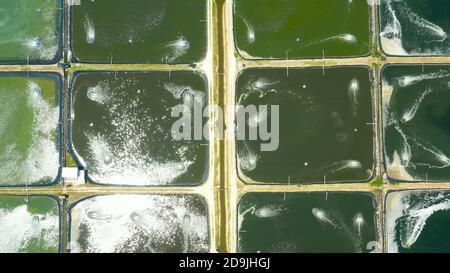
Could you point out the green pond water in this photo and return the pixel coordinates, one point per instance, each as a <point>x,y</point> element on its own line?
<point>122,125</point>
<point>418,221</point>
<point>140,223</point>
<point>139,31</point>
<point>415,27</point>
<point>325,125</point>
<point>416,122</point>
<point>29,116</point>
<point>30,31</point>
<point>301,28</point>
<point>29,224</point>
<point>306,222</point>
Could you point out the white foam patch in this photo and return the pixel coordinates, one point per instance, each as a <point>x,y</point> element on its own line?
<point>18,227</point>
<point>156,223</point>
<point>248,159</point>
<point>127,164</point>
<point>392,35</point>
<point>408,215</point>
<point>98,94</point>
<point>41,161</point>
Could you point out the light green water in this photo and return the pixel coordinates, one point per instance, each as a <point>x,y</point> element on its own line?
<point>306,222</point>
<point>30,30</point>
<point>140,223</point>
<point>29,116</point>
<point>301,28</point>
<point>139,31</point>
<point>28,224</point>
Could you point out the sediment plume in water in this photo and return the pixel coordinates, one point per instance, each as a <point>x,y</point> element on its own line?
<point>140,223</point>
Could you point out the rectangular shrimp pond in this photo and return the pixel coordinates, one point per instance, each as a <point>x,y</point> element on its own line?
<point>301,28</point>
<point>121,127</point>
<point>325,128</point>
<point>30,116</point>
<point>416,112</point>
<point>31,31</point>
<point>307,222</point>
<point>139,31</point>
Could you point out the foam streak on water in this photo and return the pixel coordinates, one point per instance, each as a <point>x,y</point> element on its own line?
<point>392,35</point>
<point>353,92</point>
<point>323,217</point>
<point>342,165</point>
<point>409,80</point>
<point>269,211</point>
<point>409,114</point>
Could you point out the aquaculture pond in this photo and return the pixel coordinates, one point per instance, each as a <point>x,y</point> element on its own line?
<point>29,125</point>
<point>30,31</point>
<point>140,223</point>
<point>307,222</point>
<point>139,31</point>
<point>418,221</point>
<point>415,27</point>
<point>416,116</point>
<point>325,125</point>
<point>301,28</point>
<point>29,224</point>
<point>121,128</point>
